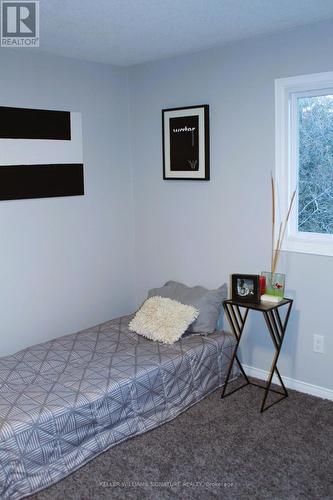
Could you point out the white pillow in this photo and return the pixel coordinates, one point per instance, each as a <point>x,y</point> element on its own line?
<point>163,319</point>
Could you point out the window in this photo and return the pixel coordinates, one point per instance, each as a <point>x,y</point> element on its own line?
<point>304,160</point>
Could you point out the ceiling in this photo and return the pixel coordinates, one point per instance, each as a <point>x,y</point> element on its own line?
<point>126,32</point>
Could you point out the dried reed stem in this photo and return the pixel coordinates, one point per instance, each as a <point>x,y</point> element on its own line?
<point>273,220</point>
<point>281,236</point>
<point>276,249</point>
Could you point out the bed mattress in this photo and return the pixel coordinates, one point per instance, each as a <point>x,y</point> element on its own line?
<point>65,401</point>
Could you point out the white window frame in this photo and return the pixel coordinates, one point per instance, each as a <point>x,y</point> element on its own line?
<point>287,90</point>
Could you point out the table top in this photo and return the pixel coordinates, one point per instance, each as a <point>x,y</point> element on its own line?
<point>261,306</point>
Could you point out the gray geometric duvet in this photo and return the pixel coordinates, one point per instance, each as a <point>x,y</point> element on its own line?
<point>65,401</point>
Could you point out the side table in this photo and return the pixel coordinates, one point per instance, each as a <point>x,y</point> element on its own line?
<point>277,329</point>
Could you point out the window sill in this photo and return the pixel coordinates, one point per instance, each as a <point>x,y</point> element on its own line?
<point>302,245</point>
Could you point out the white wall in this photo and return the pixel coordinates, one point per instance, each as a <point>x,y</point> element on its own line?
<point>67,263</point>
<point>201,232</point>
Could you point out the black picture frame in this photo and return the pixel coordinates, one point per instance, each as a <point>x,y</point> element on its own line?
<point>245,288</point>
<point>185,143</point>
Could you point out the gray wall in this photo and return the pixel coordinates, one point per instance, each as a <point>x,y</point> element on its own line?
<point>201,232</point>
<point>67,263</point>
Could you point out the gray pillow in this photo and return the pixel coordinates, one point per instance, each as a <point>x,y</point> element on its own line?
<point>209,302</point>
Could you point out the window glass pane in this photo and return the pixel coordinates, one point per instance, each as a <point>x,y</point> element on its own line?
<point>315,155</point>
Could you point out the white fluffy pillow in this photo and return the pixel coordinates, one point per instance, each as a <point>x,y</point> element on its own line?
<point>163,319</point>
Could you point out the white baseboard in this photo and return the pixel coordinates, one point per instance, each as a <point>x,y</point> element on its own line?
<point>290,383</point>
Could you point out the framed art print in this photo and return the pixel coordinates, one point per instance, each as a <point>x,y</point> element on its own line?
<point>186,143</point>
<point>245,288</point>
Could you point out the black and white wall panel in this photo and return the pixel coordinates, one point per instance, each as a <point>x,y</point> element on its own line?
<point>40,153</point>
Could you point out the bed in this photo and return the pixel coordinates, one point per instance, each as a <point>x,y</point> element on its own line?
<point>65,401</point>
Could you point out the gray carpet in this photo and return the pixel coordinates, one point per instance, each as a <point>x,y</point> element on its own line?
<point>218,449</point>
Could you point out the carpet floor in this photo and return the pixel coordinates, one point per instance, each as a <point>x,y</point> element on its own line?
<point>218,449</point>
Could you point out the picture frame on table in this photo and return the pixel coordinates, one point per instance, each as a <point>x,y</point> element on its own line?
<point>245,288</point>
<point>185,142</point>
